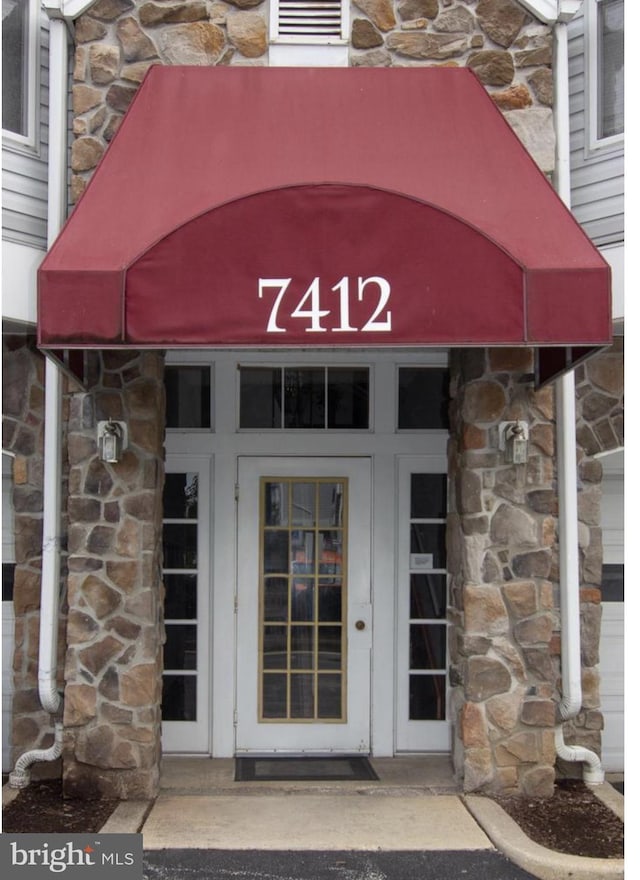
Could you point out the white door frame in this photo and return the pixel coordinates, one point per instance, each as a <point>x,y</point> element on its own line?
<point>223,443</point>
<point>353,735</point>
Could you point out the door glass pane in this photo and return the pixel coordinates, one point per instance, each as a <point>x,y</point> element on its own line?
<point>180,646</point>
<point>303,556</point>
<point>329,696</point>
<point>427,646</point>
<point>329,599</point>
<point>302,639</point>
<point>274,647</point>
<point>180,496</point>
<point>428,496</point>
<point>428,596</point>
<point>303,512</point>
<point>180,596</point>
<point>330,552</point>
<point>275,598</point>
<point>180,545</point>
<point>179,698</point>
<point>427,697</point>
<point>276,552</point>
<point>302,693</point>
<point>428,540</point>
<point>306,598</point>
<point>330,506</point>
<point>330,647</point>
<point>276,504</point>
<point>274,695</point>
<point>303,599</point>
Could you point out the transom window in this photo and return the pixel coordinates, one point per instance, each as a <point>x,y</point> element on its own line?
<point>188,393</point>
<point>295,398</point>
<point>423,398</point>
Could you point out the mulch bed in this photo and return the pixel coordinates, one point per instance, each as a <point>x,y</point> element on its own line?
<point>573,821</point>
<point>40,808</point>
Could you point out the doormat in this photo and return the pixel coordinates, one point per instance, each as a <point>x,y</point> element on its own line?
<point>304,769</point>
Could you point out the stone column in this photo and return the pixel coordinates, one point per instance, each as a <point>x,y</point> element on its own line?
<point>115,628</point>
<point>503,563</point>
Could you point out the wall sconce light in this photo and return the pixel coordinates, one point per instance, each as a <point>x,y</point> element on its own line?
<point>514,441</point>
<point>112,440</point>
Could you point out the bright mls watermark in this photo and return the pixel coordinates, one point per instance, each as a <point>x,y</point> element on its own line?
<point>89,856</point>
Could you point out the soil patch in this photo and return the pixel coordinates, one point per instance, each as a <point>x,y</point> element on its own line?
<point>41,808</point>
<point>573,821</point>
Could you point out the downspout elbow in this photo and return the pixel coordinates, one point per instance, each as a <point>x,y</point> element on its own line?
<point>20,777</point>
<point>592,773</point>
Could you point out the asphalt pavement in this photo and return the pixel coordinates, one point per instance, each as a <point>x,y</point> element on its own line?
<point>203,864</point>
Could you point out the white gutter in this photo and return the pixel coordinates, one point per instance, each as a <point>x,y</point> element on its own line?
<point>50,697</point>
<point>571,701</point>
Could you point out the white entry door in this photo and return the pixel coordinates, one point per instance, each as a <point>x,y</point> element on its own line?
<point>303,605</point>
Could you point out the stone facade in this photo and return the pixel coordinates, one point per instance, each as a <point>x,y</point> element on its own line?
<point>503,554</point>
<point>118,40</point>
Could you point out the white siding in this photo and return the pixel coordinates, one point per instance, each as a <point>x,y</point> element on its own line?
<point>24,172</point>
<point>597,184</point>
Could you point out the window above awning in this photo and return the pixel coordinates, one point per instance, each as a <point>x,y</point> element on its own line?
<point>319,207</point>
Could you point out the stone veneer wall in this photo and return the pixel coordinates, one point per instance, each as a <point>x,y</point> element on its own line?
<point>505,654</point>
<point>115,624</point>
<point>23,437</point>
<point>503,560</point>
<point>117,41</point>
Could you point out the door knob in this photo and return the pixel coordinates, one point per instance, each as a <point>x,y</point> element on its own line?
<point>360,624</point>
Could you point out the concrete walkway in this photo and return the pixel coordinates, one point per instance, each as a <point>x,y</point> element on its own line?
<point>201,806</point>
<point>414,806</point>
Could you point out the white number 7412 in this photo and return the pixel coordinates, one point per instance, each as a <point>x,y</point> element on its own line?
<point>308,306</point>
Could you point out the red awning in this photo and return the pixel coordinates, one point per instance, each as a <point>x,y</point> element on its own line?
<point>319,207</point>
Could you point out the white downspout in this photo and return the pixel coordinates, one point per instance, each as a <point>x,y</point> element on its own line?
<point>50,585</point>
<point>571,702</point>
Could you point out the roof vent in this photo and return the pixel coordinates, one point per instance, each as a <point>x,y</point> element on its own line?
<point>317,20</point>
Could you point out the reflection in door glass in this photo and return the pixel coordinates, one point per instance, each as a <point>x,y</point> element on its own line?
<point>302,634</point>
